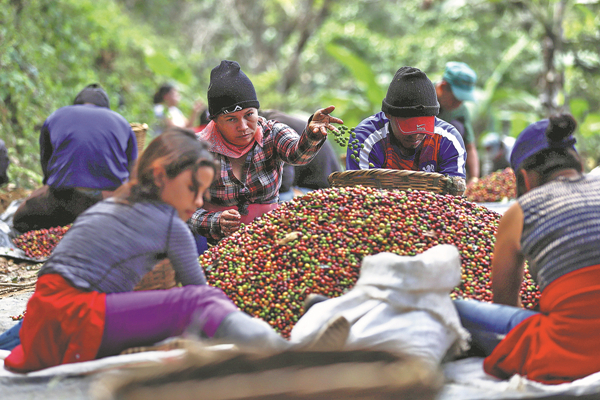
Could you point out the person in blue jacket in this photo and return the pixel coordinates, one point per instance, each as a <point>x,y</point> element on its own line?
<point>406,135</point>
<point>86,152</point>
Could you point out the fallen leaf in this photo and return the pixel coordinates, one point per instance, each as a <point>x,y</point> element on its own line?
<point>289,237</point>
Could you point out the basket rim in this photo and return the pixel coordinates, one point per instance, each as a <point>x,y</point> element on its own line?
<point>386,171</point>
<point>382,178</point>
<point>382,172</point>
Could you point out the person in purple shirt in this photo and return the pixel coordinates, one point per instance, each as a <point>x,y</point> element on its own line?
<point>86,152</point>
<point>406,134</point>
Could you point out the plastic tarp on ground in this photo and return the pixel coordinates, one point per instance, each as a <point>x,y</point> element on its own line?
<point>7,246</point>
<point>465,379</point>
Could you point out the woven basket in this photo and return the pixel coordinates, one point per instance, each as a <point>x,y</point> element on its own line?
<point>399,179</point>
<point>160,278</point>
<point>140,135</point>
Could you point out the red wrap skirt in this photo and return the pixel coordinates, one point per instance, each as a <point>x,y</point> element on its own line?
<point>62,325</point>
<point>562,343</point>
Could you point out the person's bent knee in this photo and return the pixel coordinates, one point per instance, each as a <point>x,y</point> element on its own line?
<point>208,307</point>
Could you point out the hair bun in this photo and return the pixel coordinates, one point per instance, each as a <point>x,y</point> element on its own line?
<point>561,126</point>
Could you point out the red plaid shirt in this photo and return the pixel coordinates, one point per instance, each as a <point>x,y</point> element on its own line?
<point>262,173</point>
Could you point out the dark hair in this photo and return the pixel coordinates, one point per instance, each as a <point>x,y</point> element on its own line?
<point>204,118</point>
<point>176,150</point>
<point>159,96</point>
<point>557,157</point>
<point>93,94</point>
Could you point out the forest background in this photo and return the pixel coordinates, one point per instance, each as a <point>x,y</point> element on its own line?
<point>532,58</point>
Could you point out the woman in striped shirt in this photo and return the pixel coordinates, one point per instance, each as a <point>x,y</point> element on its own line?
<point>84,306</point>
<point>555,227</point>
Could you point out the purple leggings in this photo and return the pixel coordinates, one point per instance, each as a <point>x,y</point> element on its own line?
<point>146,317</point>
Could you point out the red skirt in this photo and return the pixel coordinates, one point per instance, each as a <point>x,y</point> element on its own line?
<point>561,344</point>
<point>62,325</point>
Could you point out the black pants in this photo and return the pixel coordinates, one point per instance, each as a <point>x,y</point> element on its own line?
<point>47,207</point>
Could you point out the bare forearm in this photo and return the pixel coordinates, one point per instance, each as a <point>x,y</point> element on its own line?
<point>509,262</point>
<point>472,164</point>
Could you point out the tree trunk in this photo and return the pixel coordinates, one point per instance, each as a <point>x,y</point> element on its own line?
<point>309,24</point>
<point>552,81</point>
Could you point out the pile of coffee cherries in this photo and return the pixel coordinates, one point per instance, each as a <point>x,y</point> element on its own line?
<point>40,243</point>
<point>497,186</point>
<point>315,244</point>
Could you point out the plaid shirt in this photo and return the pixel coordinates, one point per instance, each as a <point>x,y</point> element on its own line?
<point>261,172</point>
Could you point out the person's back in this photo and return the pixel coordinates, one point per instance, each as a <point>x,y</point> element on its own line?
<point>564,237</point>
<point>86,152</point>
<point>555,227</point>
<point>87,146</point>
<point>136,233</point>
<point>315,174</point>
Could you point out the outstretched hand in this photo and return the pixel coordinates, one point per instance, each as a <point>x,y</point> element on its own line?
<point>321,121</point>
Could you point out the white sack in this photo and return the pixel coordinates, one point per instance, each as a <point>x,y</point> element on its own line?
<point>400,304</point>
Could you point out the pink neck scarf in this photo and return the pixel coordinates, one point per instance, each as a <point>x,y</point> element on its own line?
<point>219,145</point>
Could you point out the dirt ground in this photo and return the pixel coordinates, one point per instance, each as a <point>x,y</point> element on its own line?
<point>12,307</point>
<point>9,193</point>
<point>17,277</point>
<point>17,281</point>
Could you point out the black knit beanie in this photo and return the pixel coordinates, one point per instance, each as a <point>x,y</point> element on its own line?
<point>230,90</point>
<point>93,94</point>
<point>411,94</point>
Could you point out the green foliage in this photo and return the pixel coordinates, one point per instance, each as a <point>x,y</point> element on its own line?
<point>361,72</point>
<point>591,125</point>
<point>589,139</point>
<point>49,50</point>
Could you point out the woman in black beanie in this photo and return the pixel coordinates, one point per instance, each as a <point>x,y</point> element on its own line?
<point>251,151</point>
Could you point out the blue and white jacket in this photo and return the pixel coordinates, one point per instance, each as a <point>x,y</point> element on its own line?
<point>442,152</point>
